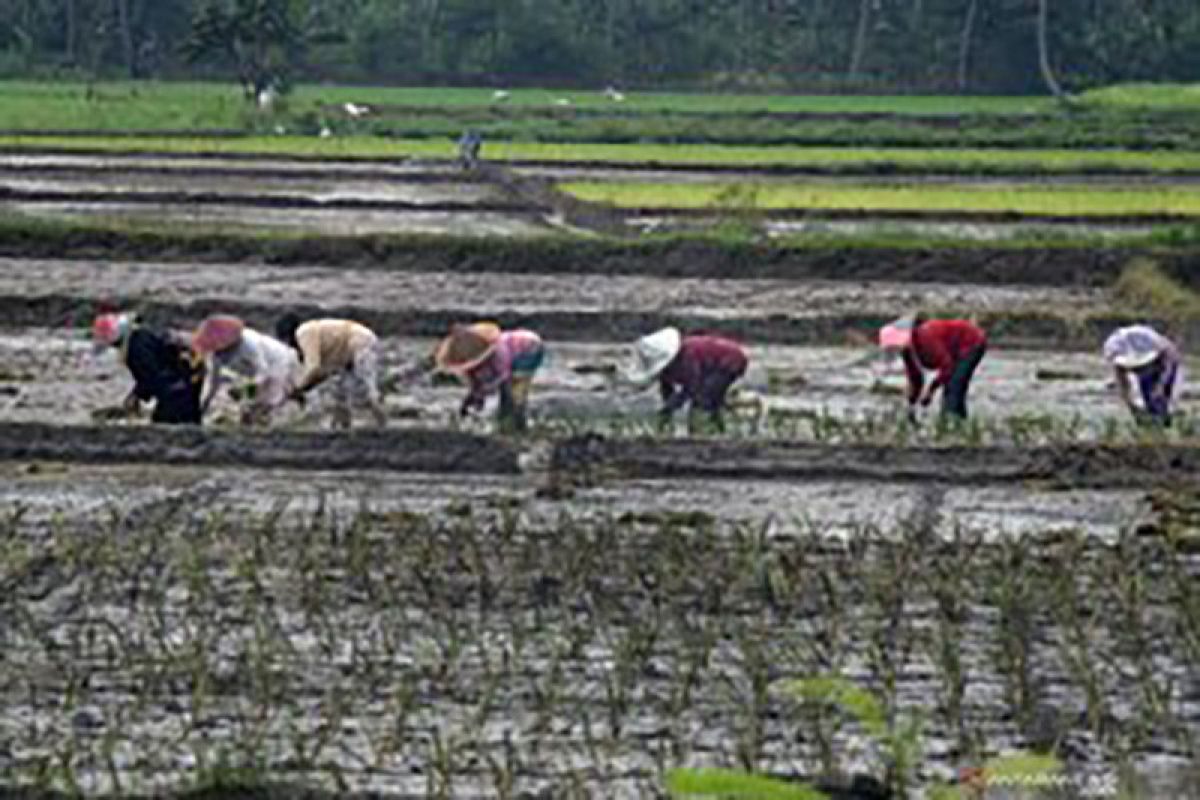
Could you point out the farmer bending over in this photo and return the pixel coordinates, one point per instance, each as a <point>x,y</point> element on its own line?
<point>161,366</point>
<point>1141,353</point>
<point>269,365</point>
<point>493,361</point>
<point>341,349</point>
<point>952,348</point>
<point>698,369</point>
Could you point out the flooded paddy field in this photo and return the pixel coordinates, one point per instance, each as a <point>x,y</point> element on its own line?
<point>481,636</point>
<point>434,610</point>
<point>351,197</point>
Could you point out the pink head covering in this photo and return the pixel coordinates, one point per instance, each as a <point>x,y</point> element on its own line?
<point>109,330</point>
<point>897,334</point>
<point>217,333</point>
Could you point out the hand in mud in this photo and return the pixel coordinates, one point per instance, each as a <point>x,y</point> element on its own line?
<point>926,399</point>
<point>132,405</point>
<point>912,416</point>
<point>298,397</point>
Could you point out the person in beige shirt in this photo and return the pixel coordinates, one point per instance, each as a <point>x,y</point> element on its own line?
<point>343,350</point>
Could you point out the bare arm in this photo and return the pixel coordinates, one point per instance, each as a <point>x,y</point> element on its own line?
<point>1121,375</point>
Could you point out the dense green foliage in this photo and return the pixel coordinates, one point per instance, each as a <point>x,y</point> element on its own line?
<point>963,45</point>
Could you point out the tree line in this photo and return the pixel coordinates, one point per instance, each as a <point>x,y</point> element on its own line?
<point>1012,46</point>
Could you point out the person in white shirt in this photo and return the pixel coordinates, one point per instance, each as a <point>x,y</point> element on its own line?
<point>1140,353</point>
<point>269,364</point>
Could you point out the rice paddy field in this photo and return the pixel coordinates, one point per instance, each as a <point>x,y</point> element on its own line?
<point>825,596</point>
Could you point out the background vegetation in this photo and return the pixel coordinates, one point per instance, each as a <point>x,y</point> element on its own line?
<point>908,45</point>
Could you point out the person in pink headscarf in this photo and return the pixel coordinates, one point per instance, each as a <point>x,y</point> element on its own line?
<point>161,365</point>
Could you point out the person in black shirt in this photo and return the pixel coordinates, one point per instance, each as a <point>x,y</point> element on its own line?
<point>162,367</point>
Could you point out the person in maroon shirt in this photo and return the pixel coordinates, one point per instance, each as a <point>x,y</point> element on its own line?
<point>951,348</point>
<point>697,369</point>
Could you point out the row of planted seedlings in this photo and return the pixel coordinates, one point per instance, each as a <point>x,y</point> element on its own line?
<point>481,649</point>
<point>894,428</point>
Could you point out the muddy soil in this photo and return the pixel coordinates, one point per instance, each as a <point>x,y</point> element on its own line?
<point>357,633</point>
<point>117,168</point>
<point>1088,466</point>
<point>1028,266</point>
<point>587,308</point>
<point>47,376</point>
<point>77,491</point>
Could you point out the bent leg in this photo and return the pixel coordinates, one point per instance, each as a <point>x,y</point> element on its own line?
<point>954,397</point>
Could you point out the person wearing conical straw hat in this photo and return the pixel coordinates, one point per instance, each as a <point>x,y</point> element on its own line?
<point>269,365</point>
<point>493,361</point>
<point>160,364</point>
<point>699,369</point>
<point>1140,354</point>
<point>339,349</point>
<point>951,348</point>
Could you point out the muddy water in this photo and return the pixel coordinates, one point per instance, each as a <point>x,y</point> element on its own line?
<point>335,222</point>
<point>185,185</point>
<point>494,293</point>
<point>507,627</point>
<point>49,376</point>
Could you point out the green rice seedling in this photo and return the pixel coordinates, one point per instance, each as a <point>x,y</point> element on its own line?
<point>1077,623</point>
<point>899,738</point>
<point>1012,589</point>
<point>949,576</point>
<point>725,783</point>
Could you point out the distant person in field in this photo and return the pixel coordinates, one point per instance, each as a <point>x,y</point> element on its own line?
<point>469,145</point>
<point>268,365</point>
<point>950,348</point>
<point>1139,354</point>
<point>697,370</point>
<point>494,361</point>
<point>161,365</point>
<point>338,350</point>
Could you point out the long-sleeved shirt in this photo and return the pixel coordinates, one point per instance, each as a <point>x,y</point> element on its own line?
<point>511,349</point>
<point>939,344</point>
<point>159,366</point>
<point>270,363</point>
<point>328,346</point>
<point>690,374</point>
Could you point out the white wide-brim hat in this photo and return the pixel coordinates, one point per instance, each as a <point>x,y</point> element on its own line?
<point>1133,347</point>
<point>1133,360</point>
<point>652,354</point>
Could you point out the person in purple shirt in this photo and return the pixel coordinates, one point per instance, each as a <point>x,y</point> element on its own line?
<point>697,370</point>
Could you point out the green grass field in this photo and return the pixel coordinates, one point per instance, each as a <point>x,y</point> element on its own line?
<point>1056,200</point>
<point>161,106</point>
<point>953,160</point>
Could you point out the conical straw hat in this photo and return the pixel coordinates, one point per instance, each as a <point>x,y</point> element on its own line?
<point>467,346</point>
<point>217,333</point>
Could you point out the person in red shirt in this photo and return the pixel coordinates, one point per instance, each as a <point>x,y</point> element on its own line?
<point>697,369</point>
<point>951,348</point>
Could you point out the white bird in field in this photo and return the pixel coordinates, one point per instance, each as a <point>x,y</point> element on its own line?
<point>562,101</point>
<point>499,96</point>
<point>325,132</point>
<point>266,98</point>
<point>356,111</point>
<point>612,94</point>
